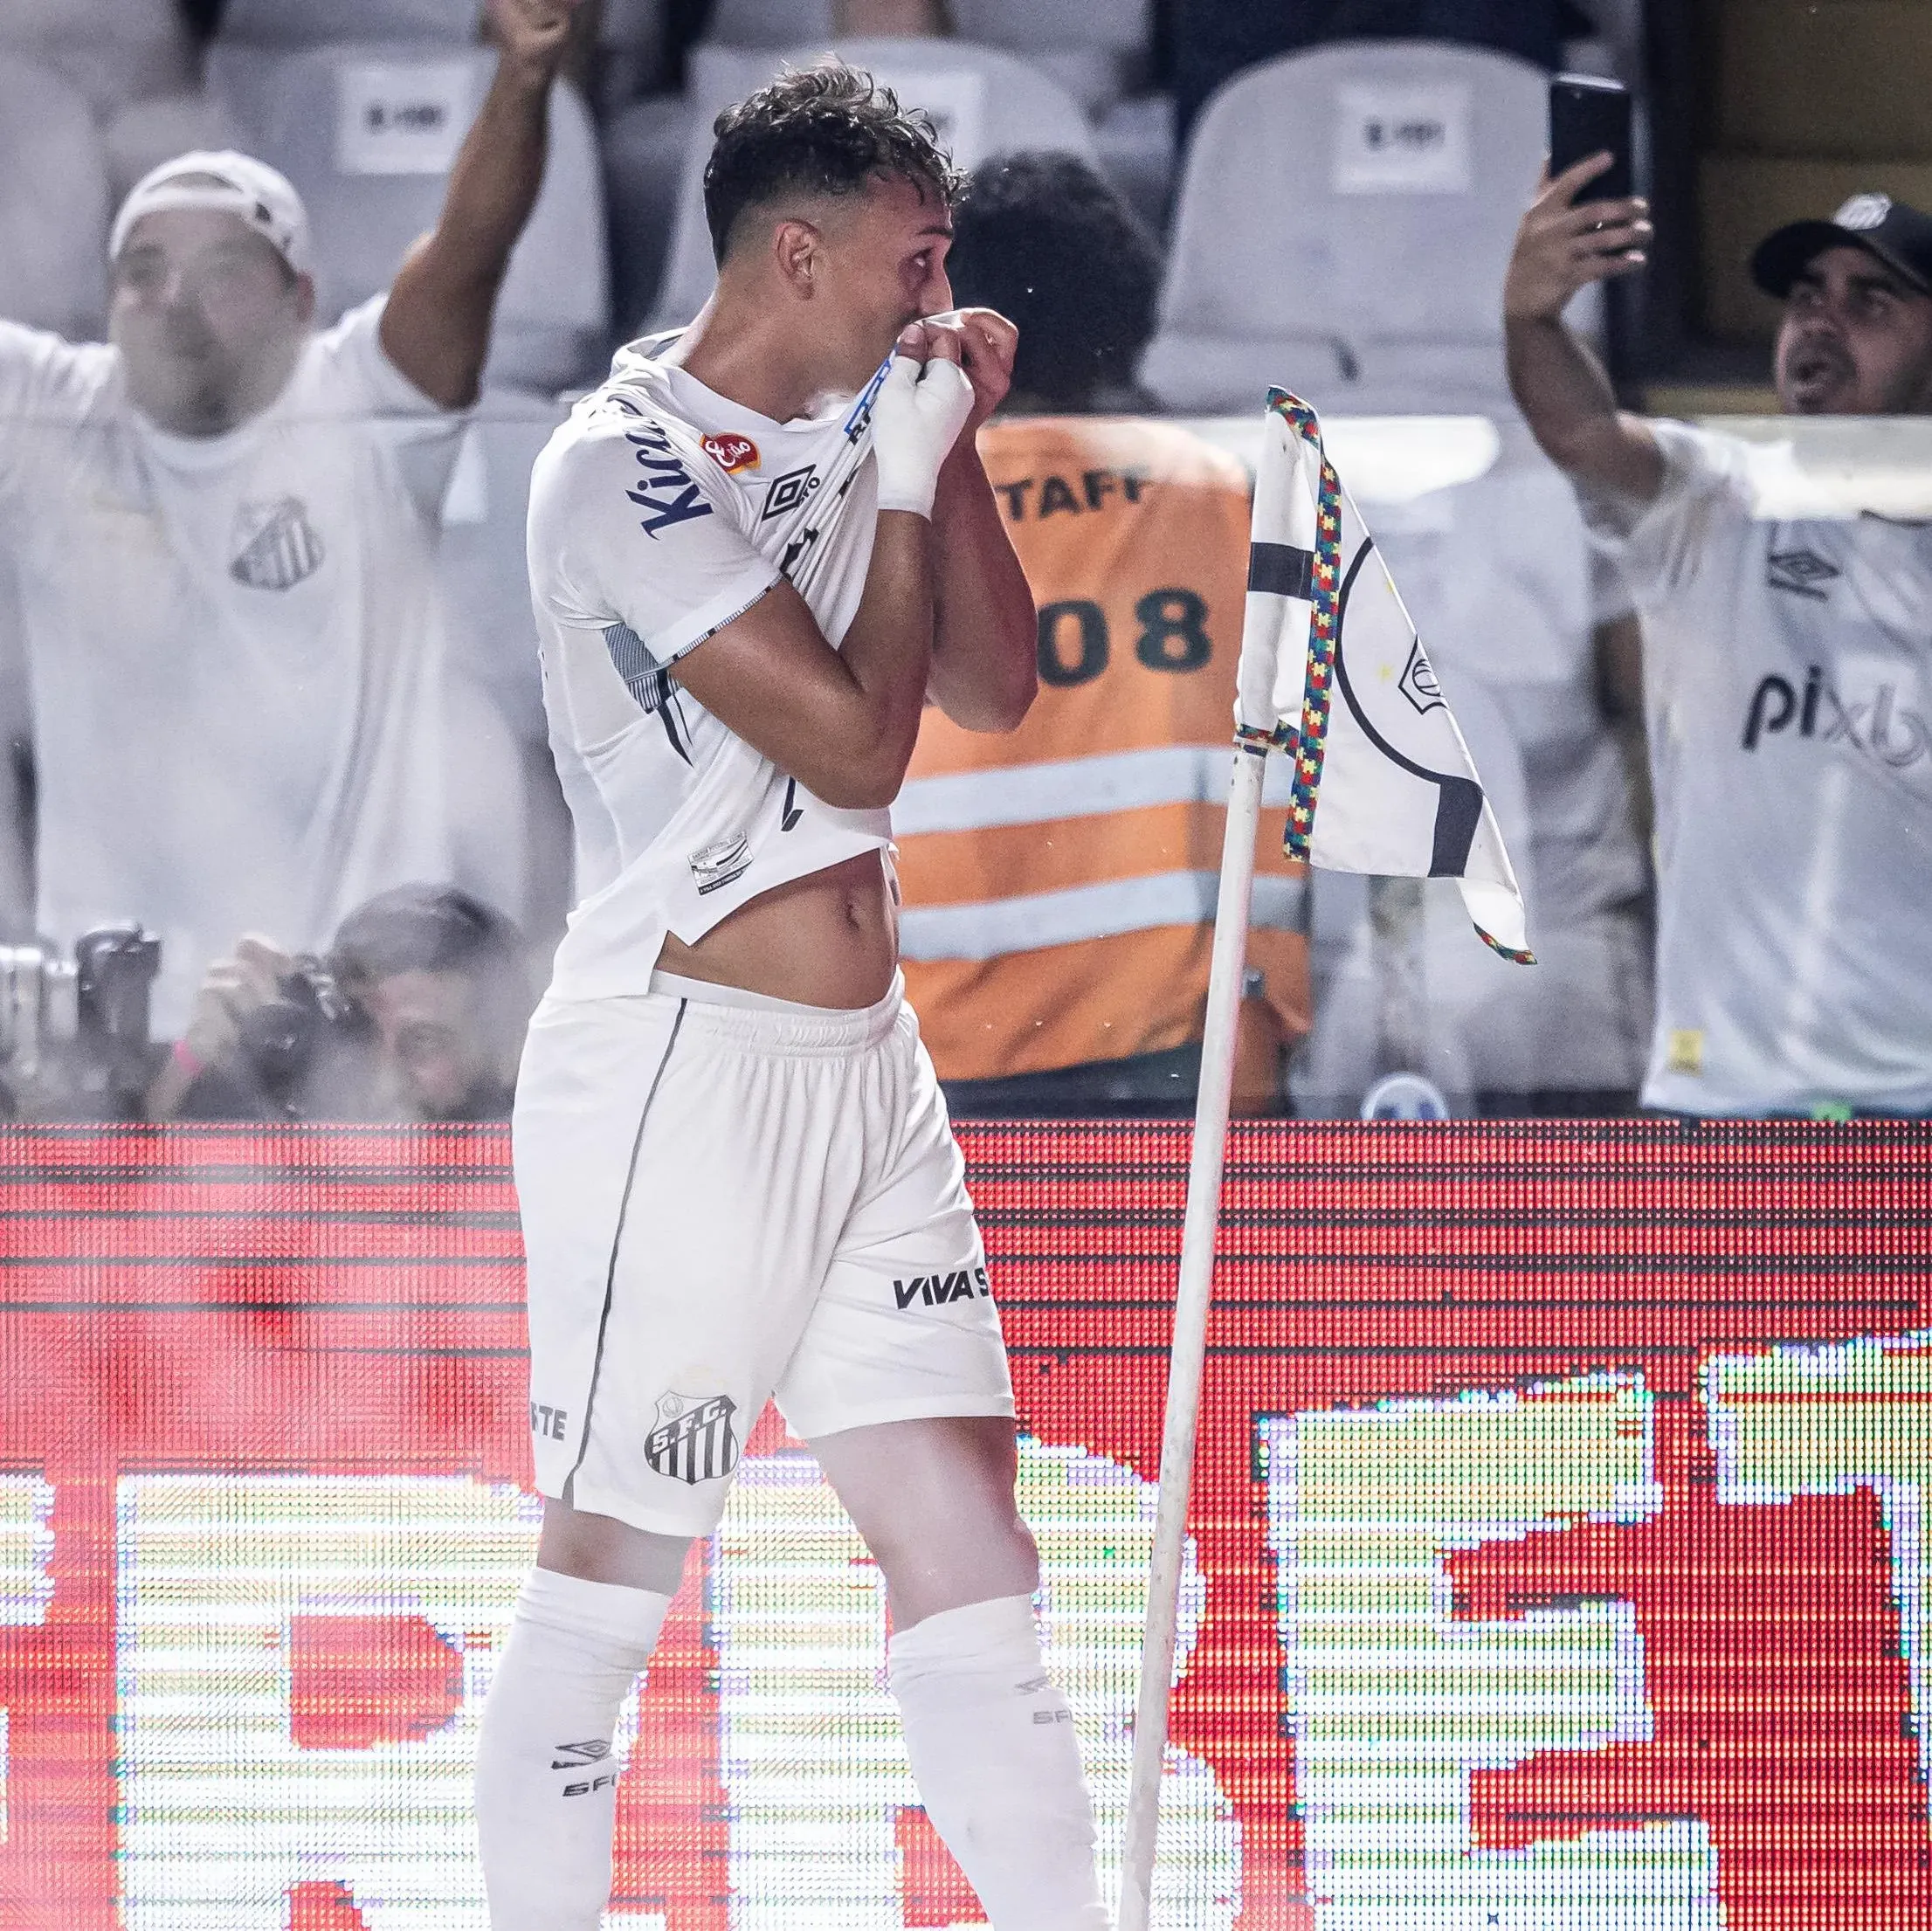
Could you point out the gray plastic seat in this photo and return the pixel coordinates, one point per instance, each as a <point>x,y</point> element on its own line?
<point>303,24</point>
<point>1096,49</point>
<point>367,132</point>
<point>1344,220</point>
<point>53,203</point>
<point>985,101</point>
<point>112,51</point>
<point>771,22</point>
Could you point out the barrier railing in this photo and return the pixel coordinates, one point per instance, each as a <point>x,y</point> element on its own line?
<point>1558,1549</point>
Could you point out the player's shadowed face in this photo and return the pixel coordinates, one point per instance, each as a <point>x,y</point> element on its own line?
<point>1856,340</point>
<point>208,317</point>
<point>882,264</point>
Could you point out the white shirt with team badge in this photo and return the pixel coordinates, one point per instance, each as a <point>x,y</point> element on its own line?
<point>1788,666</point>
<point>234,645</point>
<point>658,512</point>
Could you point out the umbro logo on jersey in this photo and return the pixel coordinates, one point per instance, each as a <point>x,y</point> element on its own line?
<point>694,1441</point>
<point>667,491</point>
<point>1803,572</point>
<point>787,492</point>
<point>1877,726</point>
<point>276,544</point>
<point>935,1290</point>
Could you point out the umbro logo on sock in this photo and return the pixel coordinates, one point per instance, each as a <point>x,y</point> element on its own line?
<point>574,1756</point>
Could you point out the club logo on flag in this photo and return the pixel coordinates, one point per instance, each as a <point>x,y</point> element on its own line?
<point>276,545</point>
<point>1417,682</point>
<point>1333,674</point>
<point>694,1441</point>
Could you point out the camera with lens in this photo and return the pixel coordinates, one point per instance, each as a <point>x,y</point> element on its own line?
<point>281,1039</point>
<point>74,1032</point>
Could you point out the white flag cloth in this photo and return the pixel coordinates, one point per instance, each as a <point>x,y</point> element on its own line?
<point>1333,673</point>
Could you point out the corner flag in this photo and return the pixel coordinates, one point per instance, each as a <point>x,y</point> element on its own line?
<point>1333,673</point>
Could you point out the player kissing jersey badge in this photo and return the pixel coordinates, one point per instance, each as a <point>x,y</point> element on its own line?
<point>733,454</point>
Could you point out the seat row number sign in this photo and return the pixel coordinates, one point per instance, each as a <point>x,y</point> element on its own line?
<point>1406,138</point>
<point>401,117</point>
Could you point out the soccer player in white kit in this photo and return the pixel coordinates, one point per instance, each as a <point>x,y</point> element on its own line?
<point>755,553</point>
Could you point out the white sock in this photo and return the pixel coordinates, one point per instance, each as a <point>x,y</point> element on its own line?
<point>545,1780</point>
<point>993,1752</point>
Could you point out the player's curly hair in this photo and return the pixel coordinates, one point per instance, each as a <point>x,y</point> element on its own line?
<point>1046,240</point>
<point>826,129</point>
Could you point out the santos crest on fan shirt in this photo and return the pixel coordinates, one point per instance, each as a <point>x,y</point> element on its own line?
<point>658,512</point>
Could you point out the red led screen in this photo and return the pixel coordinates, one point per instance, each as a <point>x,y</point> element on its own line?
<point>1559,1551</point>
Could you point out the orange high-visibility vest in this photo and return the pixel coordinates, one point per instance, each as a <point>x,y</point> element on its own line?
<point>1060,880</point>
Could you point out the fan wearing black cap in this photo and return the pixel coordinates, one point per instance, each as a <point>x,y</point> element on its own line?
<point>1787,670</point>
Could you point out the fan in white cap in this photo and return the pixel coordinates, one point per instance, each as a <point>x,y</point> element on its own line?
<point>225,182</point>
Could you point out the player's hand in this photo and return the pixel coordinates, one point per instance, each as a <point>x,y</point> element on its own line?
<point>922,405</point>
<point>988,344</point>
<point>1562,245</point>
<point>531,34</point>
<point>231,989</point>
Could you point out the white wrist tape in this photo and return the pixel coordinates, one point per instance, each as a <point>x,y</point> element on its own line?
<point>921,409</point>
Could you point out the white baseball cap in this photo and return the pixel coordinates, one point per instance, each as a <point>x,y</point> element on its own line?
<point>232,184</point>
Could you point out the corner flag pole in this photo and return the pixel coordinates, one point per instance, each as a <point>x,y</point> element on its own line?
<point>1188,1349</point>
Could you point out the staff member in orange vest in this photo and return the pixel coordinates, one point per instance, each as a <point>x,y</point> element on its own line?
<point>1060,880</point>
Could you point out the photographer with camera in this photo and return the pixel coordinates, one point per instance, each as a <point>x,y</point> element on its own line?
<point>417,1013</point>
<point>1786,672</point>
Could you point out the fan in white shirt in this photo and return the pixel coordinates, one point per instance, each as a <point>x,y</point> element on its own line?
<point>1787,675</point>
<point>221,527</point>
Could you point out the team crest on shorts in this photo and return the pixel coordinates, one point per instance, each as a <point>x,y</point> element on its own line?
<point>732,453</point>
<point>694,1441</point>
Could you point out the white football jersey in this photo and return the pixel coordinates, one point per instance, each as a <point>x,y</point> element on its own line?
<point>1789,683</point>
<point>658,512</point>
<point>235,647</point>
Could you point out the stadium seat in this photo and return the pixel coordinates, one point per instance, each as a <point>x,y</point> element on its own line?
<point>112,51</point>
<point>1345,217</point>
<point>1097,53</point>
<point>146,132</point>
<point>53,203</point>
<point>983,101</point>
<point>302,24</point>
<point>367,132</point>
<point>771,22</point>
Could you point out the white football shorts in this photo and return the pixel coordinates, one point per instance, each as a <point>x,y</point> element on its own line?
<point>727,1198</point>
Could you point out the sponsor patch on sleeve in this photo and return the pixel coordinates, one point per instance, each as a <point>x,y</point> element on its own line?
<point>732,453</point>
